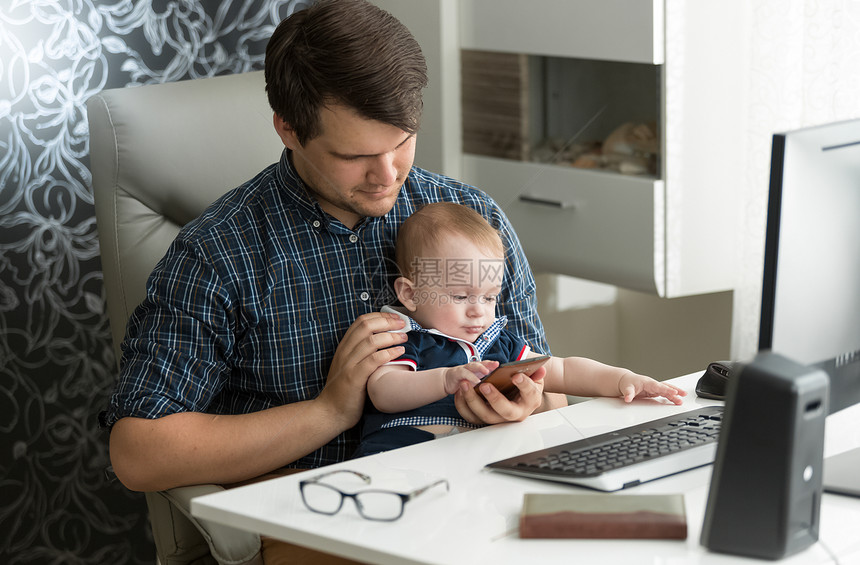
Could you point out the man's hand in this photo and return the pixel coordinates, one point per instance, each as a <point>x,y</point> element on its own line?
<point>369,343</point>
<point>496,408</point>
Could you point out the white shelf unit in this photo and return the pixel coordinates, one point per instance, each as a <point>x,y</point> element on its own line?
<point>670,236</point>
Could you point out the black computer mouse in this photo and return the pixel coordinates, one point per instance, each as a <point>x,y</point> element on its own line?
<point>712,384</point>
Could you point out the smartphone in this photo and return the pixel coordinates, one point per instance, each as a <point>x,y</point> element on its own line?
<point>502,375</point>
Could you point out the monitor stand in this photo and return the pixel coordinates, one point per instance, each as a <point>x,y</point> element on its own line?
<point>840,473</point>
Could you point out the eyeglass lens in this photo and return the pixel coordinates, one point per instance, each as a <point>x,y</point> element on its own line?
<point>321,498</point>
<point>379,505</point>
<point>374,505</point>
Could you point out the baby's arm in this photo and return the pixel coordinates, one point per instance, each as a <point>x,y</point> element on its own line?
<point>397,388</point>
<point>579,376</point>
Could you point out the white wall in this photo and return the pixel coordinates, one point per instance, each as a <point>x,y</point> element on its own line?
<point>803,69</point>
<point>660,337</point>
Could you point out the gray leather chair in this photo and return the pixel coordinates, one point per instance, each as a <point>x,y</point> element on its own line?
<point>159,155</point>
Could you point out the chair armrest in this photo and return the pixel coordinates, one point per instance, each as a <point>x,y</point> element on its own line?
<point>186,538</point>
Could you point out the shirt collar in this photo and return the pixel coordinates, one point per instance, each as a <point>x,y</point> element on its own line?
<point>297,193</point>
<point>482,343</point>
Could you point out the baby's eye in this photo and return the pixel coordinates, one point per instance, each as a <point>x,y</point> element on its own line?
<point>492,298</point>
<point>459,298</point>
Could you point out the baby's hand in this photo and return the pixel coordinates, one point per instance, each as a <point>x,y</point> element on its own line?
<point>471,372</point>
<point>633,386</point>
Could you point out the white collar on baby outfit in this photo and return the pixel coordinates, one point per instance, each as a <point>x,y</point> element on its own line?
<point>475,350</point>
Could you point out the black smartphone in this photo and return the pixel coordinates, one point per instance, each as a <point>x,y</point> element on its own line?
<point>502,375</point>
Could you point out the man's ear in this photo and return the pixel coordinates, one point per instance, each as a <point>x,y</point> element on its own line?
<point>286,132</point>
<point>405,290</point>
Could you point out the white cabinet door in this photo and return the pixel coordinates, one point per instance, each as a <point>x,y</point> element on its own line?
<point>615,30</point>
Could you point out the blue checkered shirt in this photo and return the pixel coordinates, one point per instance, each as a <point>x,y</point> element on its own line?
<point>247,307</point>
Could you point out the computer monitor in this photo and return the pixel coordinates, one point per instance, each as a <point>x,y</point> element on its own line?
<point>811,293</point>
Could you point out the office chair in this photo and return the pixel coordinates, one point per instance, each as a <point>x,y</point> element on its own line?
<point>159,155</point>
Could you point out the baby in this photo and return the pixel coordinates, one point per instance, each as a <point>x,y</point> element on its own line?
<point>453,265</point>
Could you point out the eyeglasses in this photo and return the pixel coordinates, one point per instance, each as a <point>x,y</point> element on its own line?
<point>383,505</point>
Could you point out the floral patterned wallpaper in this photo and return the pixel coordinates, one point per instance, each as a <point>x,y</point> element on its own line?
<point>56,361</point>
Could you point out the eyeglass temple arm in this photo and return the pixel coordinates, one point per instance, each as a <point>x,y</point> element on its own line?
<point>414,493</point>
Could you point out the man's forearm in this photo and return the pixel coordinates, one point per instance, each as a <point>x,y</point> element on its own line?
<point>194,448</point>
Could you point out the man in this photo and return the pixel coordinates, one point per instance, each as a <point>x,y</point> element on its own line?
<point>260,328</point>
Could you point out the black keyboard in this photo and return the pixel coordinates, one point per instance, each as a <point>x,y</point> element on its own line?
<point>627,457</point>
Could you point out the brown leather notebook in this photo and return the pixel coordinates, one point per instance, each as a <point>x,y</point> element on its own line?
<point>603,516</point>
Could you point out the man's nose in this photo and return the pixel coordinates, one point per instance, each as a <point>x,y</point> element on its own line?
<point>383,170</point>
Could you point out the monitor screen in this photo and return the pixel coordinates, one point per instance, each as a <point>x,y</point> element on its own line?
<point>811,292</point>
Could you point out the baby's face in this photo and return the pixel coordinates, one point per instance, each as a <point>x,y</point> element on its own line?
<point>456,289</point>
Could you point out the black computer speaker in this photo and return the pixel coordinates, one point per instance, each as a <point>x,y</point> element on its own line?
<point>765,493</point>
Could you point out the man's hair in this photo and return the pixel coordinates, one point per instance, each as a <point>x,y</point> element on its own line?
<point>421,233</point>
<point>346,52</point>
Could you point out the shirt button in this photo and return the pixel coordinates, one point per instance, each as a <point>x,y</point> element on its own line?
<point>473,358</point>
<point>316,223</point>
<point>364,296</point>
<point>353,238</point>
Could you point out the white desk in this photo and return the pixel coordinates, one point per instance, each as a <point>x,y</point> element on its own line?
<point>476,522</point>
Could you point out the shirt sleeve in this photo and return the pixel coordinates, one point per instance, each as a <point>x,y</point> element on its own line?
<point>514,347</point>
<point>410,357</point>
<point>177,341</point>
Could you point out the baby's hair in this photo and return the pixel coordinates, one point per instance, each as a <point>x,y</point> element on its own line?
<point>421,233</point>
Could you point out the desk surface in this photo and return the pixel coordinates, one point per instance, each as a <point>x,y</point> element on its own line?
<point>476,522</point>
